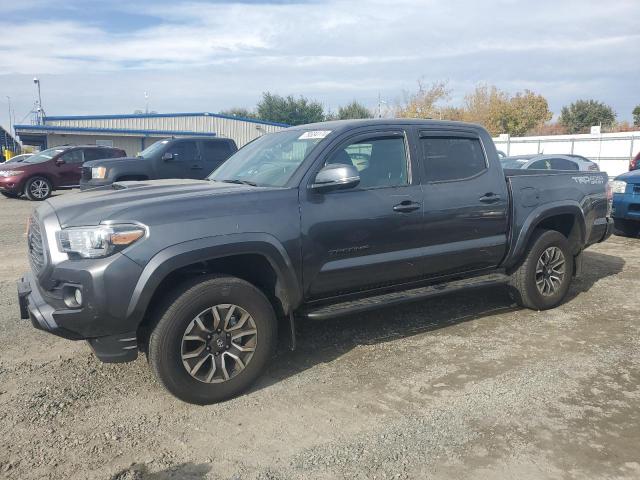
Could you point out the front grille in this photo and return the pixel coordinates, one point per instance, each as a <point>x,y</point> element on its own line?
<point>86,173</point>
<point>636,189</point>
<point>35,246</point>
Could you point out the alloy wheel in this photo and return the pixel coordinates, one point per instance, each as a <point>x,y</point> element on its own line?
<point>219,343</point>
<point>550,271</point>
<point>39,188</point>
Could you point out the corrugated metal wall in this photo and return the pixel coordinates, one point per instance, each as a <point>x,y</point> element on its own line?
<point>240,131</point>
<point>131,145</point>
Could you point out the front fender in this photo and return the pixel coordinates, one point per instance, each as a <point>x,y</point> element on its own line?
<point>521,232</point>
<point>211,248</point>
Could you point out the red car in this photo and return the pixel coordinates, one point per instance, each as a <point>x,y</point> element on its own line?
<point>635,163</point>
<point>56,168</point>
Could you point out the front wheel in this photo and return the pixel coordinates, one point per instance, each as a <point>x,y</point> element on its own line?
<point>38,188</point>
<point>543,279</point>
<point>213,340</point>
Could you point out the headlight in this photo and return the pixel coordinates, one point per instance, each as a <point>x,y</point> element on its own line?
<point>618,186</point>
<point>99,241</point>
<point>98,172</point>
<point>10,173</point>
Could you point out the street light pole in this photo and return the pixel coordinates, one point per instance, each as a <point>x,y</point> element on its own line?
<point>10,122</point>
<point>39,109</point>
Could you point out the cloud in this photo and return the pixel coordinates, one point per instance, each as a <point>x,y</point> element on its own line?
<point>212,55</point>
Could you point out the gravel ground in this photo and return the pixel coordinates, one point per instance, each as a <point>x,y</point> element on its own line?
<point>464,386</point>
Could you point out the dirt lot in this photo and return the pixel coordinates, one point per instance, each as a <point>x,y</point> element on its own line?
<point>465,386</point>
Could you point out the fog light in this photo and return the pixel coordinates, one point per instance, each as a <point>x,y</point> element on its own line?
<point>72,297</point>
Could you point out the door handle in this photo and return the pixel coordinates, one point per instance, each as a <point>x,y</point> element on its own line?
<point>490,198</point>
<point>406,206</point>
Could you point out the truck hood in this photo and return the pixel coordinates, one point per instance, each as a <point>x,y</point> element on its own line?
<point>630,177</point>
<point>143,201</point>
<point>105,162</point>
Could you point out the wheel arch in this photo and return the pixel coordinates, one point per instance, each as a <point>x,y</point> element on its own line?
<point>566,218</point>
<point>257,258</point>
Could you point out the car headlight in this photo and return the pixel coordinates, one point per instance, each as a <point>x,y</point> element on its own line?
<point>98,172</point>
<point>99,241</point>
<point>618,186</point>
<point>10,173</point>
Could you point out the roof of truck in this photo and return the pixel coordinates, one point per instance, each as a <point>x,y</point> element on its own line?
<point>347,124</point>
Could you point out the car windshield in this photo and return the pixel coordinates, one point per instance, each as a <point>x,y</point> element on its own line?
<point>269,161</point>
<point>152,149</point>
<point>44,155</point>
<point>511,163</point>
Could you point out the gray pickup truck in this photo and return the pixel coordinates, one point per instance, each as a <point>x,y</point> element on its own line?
<point>184,157</point>
<point>313,221</point>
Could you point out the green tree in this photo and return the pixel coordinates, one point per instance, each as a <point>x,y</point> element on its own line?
<point>289,110</point>
<point>239,112</point>
<point>582,114</point>
<point>522,113</point>
<point>636,116</point>
<point>354,110</point>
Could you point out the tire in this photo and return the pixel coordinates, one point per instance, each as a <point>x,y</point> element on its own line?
<point>38,189</point>
<point>629,228</point>
<point>10,195</point>
<point>529,288</point>
<point>195,299</point>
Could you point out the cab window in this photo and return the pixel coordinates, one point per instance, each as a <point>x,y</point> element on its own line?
<point>74,156</point>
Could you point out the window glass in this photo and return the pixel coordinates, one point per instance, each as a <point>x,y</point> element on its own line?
<point>541,165</point>
<point>452,158</point>
<point>215,151</point>
<point>183,151</point>
<point>563,164</point>
<point>96,154</point>
<point>74,156</point>
<point>382,162</point>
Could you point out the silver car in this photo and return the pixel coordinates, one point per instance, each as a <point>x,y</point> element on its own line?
<point>550,162</point>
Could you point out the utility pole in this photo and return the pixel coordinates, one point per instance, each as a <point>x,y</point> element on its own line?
<point>380,102</point>
<point>146,99</point>
<point>10,121</point>
<point>39,109</point>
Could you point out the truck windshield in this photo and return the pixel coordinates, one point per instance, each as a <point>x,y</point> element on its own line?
<point>269,161</point>
<point>152,149</point>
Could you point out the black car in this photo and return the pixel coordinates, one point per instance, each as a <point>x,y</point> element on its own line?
<point>200,274</point>
<point>186,157</point>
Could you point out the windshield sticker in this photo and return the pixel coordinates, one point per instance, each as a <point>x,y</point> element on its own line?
<point>314,134</point>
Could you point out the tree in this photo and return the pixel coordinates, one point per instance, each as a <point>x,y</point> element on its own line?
<point>354,110</point>
<point>289,110</point>
<point>582,114</point>
<point>239,112</point>
<point>522,113</point>
<point>484,106</point>
<point>423,103</point>
<point>636,116</point>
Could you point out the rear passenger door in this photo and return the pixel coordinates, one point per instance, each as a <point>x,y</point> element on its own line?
<point>465,204</point>
<point>214,153</point>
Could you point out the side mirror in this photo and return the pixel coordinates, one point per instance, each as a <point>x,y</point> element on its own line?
<point>336,176</point>
<point>167,156</point>
<point>60,161</point>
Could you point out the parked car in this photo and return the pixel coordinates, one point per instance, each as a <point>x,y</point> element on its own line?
<point>52,169</point>
<point>626,203</point>
<point>18,158</point>
<point>197,273</point>
<point>550,162</point>
<point>634,164</point>
<point>190,157</point>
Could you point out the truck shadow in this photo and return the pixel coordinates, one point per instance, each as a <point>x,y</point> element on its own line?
<point>324,341</point>
<point>185,471</point>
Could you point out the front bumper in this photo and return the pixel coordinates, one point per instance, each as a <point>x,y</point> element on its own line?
<point>626,206</point>
<point>11,184</point>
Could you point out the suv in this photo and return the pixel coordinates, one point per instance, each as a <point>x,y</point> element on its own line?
<point>186,157</point>
<point>313,221</point>
<point>56,168</point>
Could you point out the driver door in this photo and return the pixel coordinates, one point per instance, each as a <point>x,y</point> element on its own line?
<point>183,162</point>
<point>69,167</point>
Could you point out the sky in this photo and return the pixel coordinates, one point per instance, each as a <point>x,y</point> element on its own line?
<point>100,57</point>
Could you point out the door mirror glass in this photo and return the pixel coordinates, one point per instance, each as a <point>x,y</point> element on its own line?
<point>167,156</point>
<point>60,161</point>
<point>336,176</point>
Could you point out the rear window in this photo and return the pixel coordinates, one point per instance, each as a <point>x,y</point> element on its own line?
<point>452,158</point>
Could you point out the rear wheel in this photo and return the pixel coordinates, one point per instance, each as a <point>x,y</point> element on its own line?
<point>629,228</point>
<point>38,188</point>
<point>543,279</point>
<point>213,339</point>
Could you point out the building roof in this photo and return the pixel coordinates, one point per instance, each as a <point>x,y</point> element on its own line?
<point>163,115</point>
<point>106,131</point>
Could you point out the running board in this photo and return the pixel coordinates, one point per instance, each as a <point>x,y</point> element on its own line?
<point>388,299</point>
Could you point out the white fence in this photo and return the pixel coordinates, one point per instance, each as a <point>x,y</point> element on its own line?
<point>611,151</point>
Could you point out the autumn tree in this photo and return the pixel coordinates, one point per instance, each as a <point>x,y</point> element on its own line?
<point>522,113</point>
<point>582,114</point>
<point>425,102</point>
